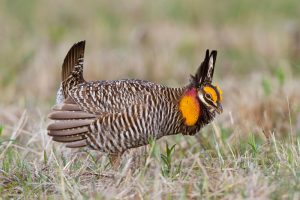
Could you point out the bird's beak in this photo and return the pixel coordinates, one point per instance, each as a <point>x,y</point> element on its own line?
<point>219,109</point>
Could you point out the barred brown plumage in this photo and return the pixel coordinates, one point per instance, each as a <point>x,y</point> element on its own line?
<point>116,115</point>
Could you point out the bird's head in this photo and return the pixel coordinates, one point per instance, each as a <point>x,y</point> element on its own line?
<point>202,97</point>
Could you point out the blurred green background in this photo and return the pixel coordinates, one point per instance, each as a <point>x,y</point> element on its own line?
<point>162,41</point>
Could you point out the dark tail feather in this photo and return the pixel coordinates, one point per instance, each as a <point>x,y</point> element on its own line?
<point>72,69</point>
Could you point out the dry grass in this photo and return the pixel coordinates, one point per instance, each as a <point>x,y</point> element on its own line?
<point>251,151</point>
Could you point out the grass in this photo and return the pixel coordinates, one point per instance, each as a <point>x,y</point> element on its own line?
<point>251,151</point>
<point>252,168</point>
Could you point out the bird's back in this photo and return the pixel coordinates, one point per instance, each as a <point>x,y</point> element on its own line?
<point>113,96</point>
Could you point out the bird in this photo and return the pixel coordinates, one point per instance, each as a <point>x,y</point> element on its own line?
<point>113,116</point>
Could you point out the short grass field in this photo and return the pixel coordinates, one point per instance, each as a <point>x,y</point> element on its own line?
<point>251,151</point>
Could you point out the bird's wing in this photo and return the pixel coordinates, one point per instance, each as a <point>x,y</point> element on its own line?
<point>108,132</point>
<point>117,132</point>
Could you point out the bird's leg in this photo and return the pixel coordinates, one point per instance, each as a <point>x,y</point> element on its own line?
<point>138,157</point>
<point>115,160</point>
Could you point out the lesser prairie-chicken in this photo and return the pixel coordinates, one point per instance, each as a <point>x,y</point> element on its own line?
<point>114,116</point>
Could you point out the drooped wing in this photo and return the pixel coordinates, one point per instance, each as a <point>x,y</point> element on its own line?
<point>109,132</point>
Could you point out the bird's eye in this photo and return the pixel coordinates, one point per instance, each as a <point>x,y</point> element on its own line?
<point>208,96</point>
